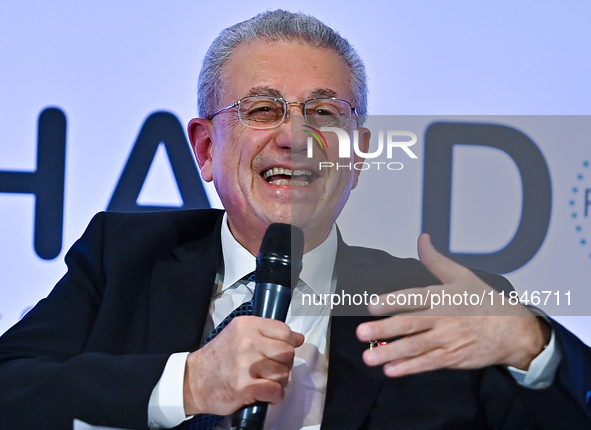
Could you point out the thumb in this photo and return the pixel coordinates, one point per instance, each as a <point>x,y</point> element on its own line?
<point>446,270</point>
<point>298,339</point>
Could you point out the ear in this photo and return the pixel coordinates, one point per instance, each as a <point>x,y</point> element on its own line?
<point>200,131</point>
<point>364,136</point>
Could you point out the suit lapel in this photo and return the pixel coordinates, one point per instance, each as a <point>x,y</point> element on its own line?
<point>180,291</point>
<point>352,386</point>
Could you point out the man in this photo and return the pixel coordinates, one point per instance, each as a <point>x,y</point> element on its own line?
<point>117,341</point>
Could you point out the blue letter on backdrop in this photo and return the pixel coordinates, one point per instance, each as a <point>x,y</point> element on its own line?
<point>535,178</point>
<point>46,183</point>
<point>160,127</point>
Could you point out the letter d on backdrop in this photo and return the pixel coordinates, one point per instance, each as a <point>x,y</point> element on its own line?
<point>440,138</point>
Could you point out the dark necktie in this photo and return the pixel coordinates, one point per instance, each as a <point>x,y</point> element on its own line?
<point>209,421</point>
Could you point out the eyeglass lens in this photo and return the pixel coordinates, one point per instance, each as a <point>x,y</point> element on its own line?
<point>263,112</point>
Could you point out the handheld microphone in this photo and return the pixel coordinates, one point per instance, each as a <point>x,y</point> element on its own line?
<point>279,264</point>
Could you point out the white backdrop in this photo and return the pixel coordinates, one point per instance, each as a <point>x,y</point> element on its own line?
<point>108,65</point>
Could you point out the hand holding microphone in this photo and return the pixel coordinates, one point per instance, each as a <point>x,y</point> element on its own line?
<point>279,264</point>
<point>251,358</point>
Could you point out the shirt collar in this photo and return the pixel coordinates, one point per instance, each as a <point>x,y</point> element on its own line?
<point>317,267</point>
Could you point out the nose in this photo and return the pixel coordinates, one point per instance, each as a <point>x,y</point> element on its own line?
<point>287,114</point>
<point>290,133</point>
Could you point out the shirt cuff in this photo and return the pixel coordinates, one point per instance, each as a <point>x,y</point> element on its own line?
<point>542,369</point>
<point>166,408</point>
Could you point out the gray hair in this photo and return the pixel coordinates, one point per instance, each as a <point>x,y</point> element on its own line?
<point>276,25</point>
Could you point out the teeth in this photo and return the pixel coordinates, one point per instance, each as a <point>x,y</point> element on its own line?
<point>284,171</point>
<point>293,183</point>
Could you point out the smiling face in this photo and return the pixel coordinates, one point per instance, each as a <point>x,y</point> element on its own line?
<point>264,176</point>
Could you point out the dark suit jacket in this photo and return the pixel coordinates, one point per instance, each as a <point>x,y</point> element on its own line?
<point>138,288</point>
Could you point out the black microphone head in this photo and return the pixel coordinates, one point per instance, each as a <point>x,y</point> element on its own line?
<point>280,256</point>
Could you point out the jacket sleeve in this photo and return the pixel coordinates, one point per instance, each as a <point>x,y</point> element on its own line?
<point>566,404</point>
<point>49,372</point>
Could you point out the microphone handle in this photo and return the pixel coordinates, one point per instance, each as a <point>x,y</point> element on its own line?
<point>269,301</point>
<point>251,417</point>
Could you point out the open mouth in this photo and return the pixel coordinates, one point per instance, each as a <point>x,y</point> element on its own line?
<point>283,176</point>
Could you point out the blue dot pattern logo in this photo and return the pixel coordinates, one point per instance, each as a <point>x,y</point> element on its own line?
<point>580,205</point>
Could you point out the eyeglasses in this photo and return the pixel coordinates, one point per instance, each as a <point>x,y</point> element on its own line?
<point>262,112</point>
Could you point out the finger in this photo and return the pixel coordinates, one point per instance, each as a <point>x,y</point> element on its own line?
<point>408,300</point>
<point>278,351</point>
<point>275,329</point>
<point>281,331</point>
<point>270,370</point>
<point>446,270</point>
<point>264,390</point>
<point>272,329</point>
<point>432,360</point>
<point>396,326</point>
<point>402,349</point>
<point>297,339</point>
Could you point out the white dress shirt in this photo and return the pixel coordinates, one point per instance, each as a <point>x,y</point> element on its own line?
<point>305,393</point>
<point>303,405</point>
